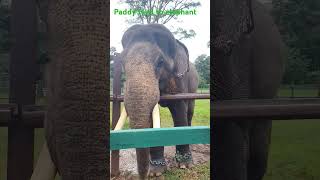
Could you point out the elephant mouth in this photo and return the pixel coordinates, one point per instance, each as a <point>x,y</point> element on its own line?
<point>124,115</point>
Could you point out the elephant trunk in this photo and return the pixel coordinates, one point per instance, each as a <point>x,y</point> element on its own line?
<point>231,73</point>
<point>222,77</point>
<point>141,95</point>
<point>76,121</point>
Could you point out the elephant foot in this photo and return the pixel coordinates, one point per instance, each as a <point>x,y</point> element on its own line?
<point>157,167</point>
<point>184,161</point>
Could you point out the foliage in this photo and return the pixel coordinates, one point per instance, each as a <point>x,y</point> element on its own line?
<point>4,29</point>
<point>161,18</point>
<point>113,52</point>
<point>314,76</point>
<point>158,18</point>
<point>184,34</point>
<point>296,67</point>
<point>202,64</point>
<point>4,44</point>
<point>299,24</point>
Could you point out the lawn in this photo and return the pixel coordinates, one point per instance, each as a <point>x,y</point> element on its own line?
<point>201,117</point>
<point>294,151</point>
<point>298,92</point>
<point>295,146</point>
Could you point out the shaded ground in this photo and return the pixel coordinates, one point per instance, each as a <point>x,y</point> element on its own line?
<point>200,153</point>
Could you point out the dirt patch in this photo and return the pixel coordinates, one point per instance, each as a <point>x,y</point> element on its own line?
<point>128,166</point>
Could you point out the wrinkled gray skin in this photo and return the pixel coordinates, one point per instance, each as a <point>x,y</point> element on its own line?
<point>152,58</point>
<point>77,76</point>
<point>252,70</point>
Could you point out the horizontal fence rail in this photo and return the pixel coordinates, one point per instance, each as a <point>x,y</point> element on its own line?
<point>152,137</point>
<point>180,96</point>
<point>275,109</point>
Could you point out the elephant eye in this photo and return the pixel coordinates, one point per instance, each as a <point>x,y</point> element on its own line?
<point>160,62</point>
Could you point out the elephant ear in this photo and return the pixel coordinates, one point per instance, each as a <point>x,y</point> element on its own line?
<point>181,60</point>
<point>231,20</point>
<point>154,33</point>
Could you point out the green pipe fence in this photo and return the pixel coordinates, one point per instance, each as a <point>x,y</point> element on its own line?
<point>152,137</point>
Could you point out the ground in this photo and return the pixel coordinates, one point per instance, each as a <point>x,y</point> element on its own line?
<point>294,151</point>
<point>201,157</point>
<point>201,152</point>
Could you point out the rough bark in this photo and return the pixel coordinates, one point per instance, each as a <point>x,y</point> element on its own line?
<point>78,99</point>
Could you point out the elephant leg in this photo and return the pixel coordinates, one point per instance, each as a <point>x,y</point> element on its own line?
<point>190,111</point>
<point>230,151</point>
<point>179,112</point>
<point>259,148</point>
<point>143,168</point>
<point>157,162</point>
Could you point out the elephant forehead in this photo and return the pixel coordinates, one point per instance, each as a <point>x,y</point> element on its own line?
<point>155,34</point>
<point>142,51</point>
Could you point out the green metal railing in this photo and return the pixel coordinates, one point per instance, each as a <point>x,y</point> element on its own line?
<point>152,137</point>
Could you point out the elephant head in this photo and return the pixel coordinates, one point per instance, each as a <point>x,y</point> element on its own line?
<point>150,57</point>
<point>232,20</point>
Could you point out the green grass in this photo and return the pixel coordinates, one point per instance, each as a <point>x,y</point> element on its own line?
<point>203,90</point>
<point>295,145</point>
<point>294,151</point>
<point>200,172</point>
<point>200,118</point>
<point>303,92</point>
<point>3,97</point>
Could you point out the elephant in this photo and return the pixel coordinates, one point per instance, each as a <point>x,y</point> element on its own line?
<point>248,63</point>
<point>155,64</point>
<point>76,126</point>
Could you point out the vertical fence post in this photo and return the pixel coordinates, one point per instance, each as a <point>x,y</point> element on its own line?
<point>23,70</point>
<point>292,90</point>
<point>116,110</point>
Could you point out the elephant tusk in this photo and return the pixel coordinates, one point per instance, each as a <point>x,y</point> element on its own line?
<point>156,116</point>
<point>45,168</point>
<point>121,120</point>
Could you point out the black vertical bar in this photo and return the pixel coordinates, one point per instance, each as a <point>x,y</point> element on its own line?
<point>116,104</point>
<point>22,87</point>
<point>292,90</point>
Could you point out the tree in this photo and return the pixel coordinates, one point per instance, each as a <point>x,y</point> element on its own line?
<point>296,67</point>
<point>184,34</point>
<point>4,45</point>
<point>113,51</point>
<point>161,18</point>
<point>4,29</point>
<point>299,24</point>
<point>162,5</point>
<point>202,64</point>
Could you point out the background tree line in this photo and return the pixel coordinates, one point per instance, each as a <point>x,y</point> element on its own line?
<point>299,24</point>
<point>298,21</point>
<point>202,62</point>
